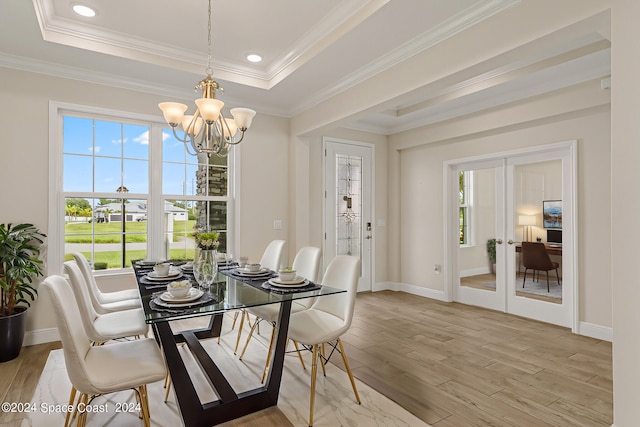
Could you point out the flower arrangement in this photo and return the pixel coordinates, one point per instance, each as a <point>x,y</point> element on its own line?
<point>206,241</point>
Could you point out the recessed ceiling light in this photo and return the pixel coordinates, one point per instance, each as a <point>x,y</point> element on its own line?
<point>84,10</point>
<point>254,58</point>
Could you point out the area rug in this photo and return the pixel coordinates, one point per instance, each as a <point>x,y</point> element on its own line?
<point>538,287</point>
<point>335,404</point>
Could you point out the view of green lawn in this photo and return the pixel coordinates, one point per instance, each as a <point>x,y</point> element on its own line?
<point>109,233</point>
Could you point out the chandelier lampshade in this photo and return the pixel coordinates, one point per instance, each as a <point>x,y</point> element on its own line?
<point>207,131</point>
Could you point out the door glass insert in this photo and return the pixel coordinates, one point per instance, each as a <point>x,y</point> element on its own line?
<point>348,205</point>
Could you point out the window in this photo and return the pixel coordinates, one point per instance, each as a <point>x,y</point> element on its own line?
<point>125,188</point>
<point>465,206</point>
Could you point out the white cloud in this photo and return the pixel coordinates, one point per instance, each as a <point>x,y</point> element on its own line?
<point>143,138</point>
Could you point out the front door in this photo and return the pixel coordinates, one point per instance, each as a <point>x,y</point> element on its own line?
<point>348,222</point>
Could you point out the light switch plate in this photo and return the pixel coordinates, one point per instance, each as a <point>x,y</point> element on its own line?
<point>277,224</point>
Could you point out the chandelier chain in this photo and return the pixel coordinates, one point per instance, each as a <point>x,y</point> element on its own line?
<point>209,66</point>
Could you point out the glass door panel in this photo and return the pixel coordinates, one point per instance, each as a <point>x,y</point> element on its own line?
<point>480,247</point>
<point>538,219</point>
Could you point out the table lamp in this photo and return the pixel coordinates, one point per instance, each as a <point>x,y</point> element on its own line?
<point>527,221</point>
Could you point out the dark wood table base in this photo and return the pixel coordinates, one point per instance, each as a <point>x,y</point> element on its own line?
<point>230,404</point>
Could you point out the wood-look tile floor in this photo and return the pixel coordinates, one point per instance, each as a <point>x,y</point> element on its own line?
<point>447,363</point>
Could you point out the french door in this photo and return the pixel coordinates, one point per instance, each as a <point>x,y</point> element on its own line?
<point>348,222</point>
<point>502,201</point>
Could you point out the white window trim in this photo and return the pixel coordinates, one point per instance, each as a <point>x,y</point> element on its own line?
<point>55,247</point>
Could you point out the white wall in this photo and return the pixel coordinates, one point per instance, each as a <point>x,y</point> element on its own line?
<point>24,179</point>
<point>418,177</point>
<point>625,158</point>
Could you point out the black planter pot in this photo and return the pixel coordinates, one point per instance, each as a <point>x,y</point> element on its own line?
<point>12,334</point>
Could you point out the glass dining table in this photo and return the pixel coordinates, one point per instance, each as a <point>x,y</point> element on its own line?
<point>230,291</point>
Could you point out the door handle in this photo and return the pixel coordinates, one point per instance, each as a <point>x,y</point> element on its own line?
<point>511,242</point>
<point>499,241</point>
<point>368,237</point>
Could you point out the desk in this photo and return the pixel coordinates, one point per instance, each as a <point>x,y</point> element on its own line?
<point>551,249</point>
<point>231,294</point>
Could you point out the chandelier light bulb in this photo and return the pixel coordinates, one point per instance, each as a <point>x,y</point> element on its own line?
<point>173,112</point>
<point>209,109</point>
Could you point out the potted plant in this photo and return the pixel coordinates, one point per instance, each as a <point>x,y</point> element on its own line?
<point>19,266</point>
<point>491,250</point>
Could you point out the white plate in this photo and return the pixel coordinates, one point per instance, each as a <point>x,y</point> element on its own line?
<point>277,283</point>
<point>187,267</point>
<point>246,272</point>
<point>296,281</point>
<point>146,263</point>
<point>194,294</point>
<point>173,274</point>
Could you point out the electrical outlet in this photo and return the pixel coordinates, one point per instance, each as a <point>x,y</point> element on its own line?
<point>277,224</point>
<point>436,269</point>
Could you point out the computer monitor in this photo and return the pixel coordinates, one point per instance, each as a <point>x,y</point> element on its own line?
<point>554,236</point>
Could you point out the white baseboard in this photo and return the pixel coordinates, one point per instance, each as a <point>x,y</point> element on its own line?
<point>41,336</point>
<point>410,289</point>
<point>596,331</point>
<point>475,271</point>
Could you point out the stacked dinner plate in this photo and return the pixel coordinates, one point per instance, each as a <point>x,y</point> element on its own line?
<point>297,282</point>
<point>174,273</point>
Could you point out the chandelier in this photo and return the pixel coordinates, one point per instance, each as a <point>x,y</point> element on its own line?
<point>207,131</point>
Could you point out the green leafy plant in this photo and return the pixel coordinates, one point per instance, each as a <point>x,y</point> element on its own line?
<point>206,240</point>
<point>19,265</point>
<point>491,250</point>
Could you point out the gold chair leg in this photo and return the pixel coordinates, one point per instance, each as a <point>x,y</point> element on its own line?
<point>72,399</point>
<point>82,416</point>
<point>235,317</point>
<point>235,350</point>
<point>322,360</point>
<point>246,344</point>
<point>346,365</point>
<point>144,407</point>
<point>166,395</point>
<point>268,362</point>
<point>314,371</point>
<point>295,343</point>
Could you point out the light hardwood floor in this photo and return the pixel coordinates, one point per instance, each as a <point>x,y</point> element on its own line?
<point>447,363</point>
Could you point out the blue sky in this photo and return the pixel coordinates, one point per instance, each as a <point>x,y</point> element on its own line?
<point>120,153</point>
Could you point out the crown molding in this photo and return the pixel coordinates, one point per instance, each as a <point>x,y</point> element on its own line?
<point>83,75</point>
<point>456,24</point>
<point>341,19</point>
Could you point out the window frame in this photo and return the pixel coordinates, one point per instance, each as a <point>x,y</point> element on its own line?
<point>155,197</point>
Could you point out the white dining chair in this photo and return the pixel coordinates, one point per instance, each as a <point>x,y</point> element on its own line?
<point>106,302</point>
<point>103,327</point>
<point>327,319</point>
<point>95,371</point>
<point>306,264</point>
<point>272,258</point>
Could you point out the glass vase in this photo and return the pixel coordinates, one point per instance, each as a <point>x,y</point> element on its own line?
<point>205,268</point>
